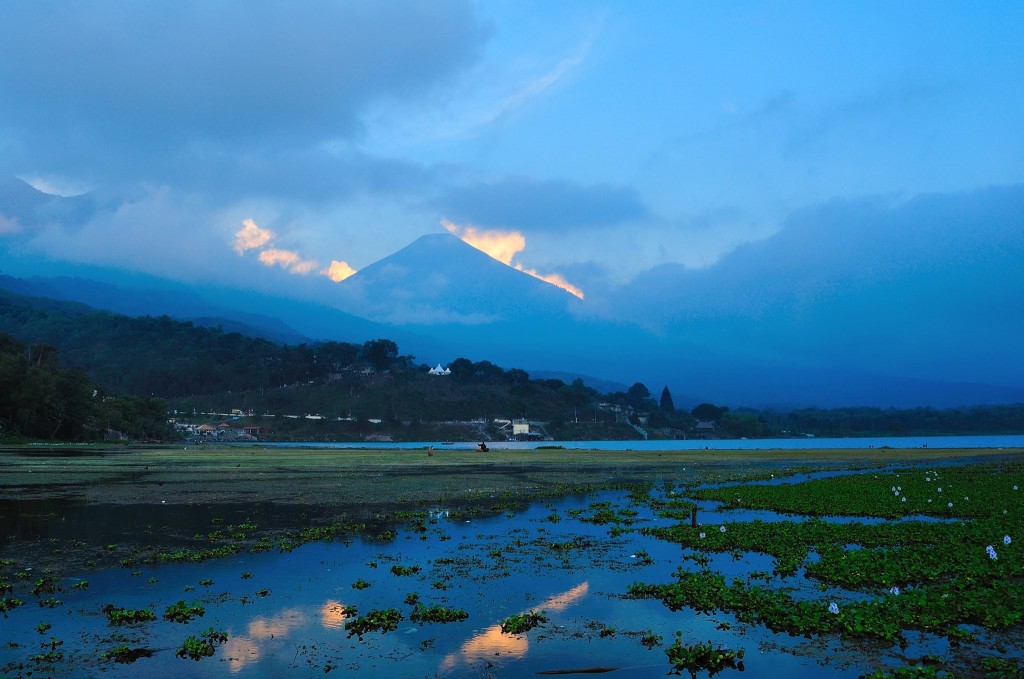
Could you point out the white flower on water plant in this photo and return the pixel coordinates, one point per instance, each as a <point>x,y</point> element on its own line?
<point>991,552</point>
<point>903,499</point>
<point>894,590</point>
<point>939,489</point>
<point>721,529</point>
<point>833,608</point>
<point>1015,487</point>
<point>703,535</point>
<point>893,489</point>
<point>950,504</point>
<point>1006,540</point>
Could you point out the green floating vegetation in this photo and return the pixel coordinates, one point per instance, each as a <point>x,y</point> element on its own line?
<point>403,571</point>
<point>523,622</point>
<point>601,513</point>
<point>973,491</point>
<point>936,577</point>
<point>702,657</point>
<point>9,604</point>
<point>360,584</point>
<point>127,616</point>
<point>435,613</point>
<point>126,655</point>
<point>203,646</point>
<point>380,620</point>
<point>182,612</point>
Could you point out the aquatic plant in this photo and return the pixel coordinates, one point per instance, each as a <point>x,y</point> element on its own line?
<point>649,639</point>
<point>702,657</point>
<point>403,571</point>
<point>182,612</point>
<point>360,584</point>
<point>382,620</point>
<point>127,616</point>
<point>435,613</point>
<point>523,622</point>
<point>203,646</point>
<point>126,655</point>
<point>9,604</point>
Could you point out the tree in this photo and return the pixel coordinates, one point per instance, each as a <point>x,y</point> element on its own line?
<point>636,395</point>
<point>380,353</point>
<point>461,369</point>
<point>707,412</point>
<point>666,401</point>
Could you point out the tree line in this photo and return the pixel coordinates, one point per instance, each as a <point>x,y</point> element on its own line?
<point>39,399</point>
<point>123,367</point>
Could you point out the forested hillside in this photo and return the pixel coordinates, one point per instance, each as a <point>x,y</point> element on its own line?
<point>201,370</point>
<point>161,356</point>
<point>40,399</point>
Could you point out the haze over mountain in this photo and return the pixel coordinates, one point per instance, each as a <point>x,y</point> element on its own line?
<point>874,302</point>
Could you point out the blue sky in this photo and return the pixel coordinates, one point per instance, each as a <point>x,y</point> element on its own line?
<point>612,137</point>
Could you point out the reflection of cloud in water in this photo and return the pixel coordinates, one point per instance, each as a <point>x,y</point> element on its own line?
<point>245,649</point>
<point>560,602</point>
<point>492,641</point>
<point>333,614</point>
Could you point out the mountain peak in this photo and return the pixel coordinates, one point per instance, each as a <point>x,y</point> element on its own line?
<point>439,278</point>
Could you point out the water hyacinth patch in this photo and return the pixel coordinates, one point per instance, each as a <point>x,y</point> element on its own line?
<point>990,550</point>
<point>1006,538</point>
<point>833,608</point>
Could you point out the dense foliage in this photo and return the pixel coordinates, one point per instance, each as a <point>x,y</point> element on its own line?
<point>40,399</point>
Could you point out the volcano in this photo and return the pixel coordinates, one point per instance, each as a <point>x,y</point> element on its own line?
<point>439,279</point>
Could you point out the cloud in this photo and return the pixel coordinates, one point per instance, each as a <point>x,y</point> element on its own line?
<point>504,246</point>
<point>254,237</point>
<point>542,205</point>
<point>286,259</point>
<point>93,83</point>
<point>9,225</point>
<point>250,237</point>
<point>338,271</point>
<point>879,284</point>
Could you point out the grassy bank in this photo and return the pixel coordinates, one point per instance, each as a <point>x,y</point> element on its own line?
<point>188,474</point>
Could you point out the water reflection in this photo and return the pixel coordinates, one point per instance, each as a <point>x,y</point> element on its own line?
<point>333,614</point>
<point>262,632</point>
<point>493,642</point>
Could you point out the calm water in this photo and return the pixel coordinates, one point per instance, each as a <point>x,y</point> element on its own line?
<point>491,567</point>
<point>1003,441</point>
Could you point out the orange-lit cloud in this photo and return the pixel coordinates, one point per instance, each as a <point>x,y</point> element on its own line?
<point>254,237</point>
<point>333,614</point>
<point>251,237</point>
<point>554,279</point>
<point>263,633</point>
<point>503,246</point>
<point>338,271</point>
<point>287,259</point>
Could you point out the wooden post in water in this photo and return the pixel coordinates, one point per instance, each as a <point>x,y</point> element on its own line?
<point>693,517</point>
